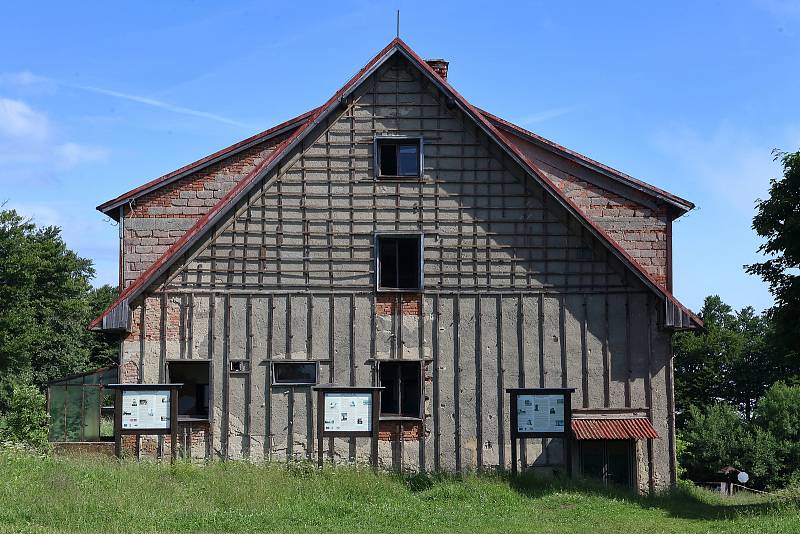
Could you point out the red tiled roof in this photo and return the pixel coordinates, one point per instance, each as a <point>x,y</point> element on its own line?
<point>240,189</point>
<point>606,428</point>
<point>286,126</point>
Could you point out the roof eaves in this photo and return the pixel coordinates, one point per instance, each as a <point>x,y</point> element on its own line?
<point>109,207</point>
<point>525,162</point>
<point>240,189</point>
<point>680,203</point>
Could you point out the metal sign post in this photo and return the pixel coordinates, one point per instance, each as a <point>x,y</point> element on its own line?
<point>541,413</point>
<point>150,409</point>
<point>348,411</point>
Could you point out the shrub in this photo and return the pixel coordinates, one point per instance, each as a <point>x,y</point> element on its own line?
<point>25,420</point>
<point>715,437</point>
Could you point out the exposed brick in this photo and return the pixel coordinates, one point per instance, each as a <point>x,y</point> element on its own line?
<point>389,303</point>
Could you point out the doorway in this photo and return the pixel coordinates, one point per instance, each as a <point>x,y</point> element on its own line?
<point>611,461</point>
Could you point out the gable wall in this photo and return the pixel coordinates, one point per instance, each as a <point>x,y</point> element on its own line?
<point>516,295</point>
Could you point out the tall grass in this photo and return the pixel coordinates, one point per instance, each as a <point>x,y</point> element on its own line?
<point>42,493</point>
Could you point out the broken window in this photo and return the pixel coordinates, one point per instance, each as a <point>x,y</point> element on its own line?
<point>402,393</point>
<point>398,157</point>
<point>294,373</point>
<point>399,262</point>
<point>193,395</point>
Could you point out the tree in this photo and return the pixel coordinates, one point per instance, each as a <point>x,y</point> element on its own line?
<point>728,361</point>
<point>46,302</point>
<point>778,221</point>
<point>778,414</point>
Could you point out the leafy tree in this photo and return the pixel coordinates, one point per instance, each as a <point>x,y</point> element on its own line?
<point>730,360</point>
<point>26,417</point>
<point>714,438</point>
<point>46,302</point>
<point>778,221</point>
<point>778,414</point>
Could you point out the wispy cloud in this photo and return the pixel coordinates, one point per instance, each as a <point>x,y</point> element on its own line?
<point>729,162</point>
<point>30,147</point>
<point>545,115</point>
<point>28,79</point>
<point>157,104</point>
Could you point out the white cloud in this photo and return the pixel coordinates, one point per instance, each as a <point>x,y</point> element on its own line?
<point>31,147</point>
<point>19,121</point>
<point>728,162</point>
<point>70,155</point>
<point>545,115</point>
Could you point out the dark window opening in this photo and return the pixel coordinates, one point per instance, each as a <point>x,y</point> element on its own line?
<point>239,366</point>
<point>608,460</point>
<point>398,157</point>
<point>402,393</point>
<point>294,373</point>
<point>399,262</point>
<point>193,395</point>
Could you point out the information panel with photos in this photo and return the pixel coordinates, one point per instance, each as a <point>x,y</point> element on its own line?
<point>146,410</point>
<point>348,411</point>
<point>540,413</point>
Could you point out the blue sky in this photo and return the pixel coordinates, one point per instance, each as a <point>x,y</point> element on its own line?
<point>97,98</point>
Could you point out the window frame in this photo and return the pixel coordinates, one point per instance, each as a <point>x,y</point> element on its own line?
<point>399,235</point>
<point>209,385</point>
<point>398,140</point>
<point>421,378</point>
<point>274,383</point>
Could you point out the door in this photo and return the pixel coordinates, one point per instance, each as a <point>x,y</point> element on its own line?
<point>608,460</point>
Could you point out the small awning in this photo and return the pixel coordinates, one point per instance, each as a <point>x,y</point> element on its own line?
<point>620,428</point>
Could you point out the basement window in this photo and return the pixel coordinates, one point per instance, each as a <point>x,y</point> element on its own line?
<point>402,393</point>
<point>399,262</point>
<point>295,373</point>
<point>398,157</point>
<point>193,395</point>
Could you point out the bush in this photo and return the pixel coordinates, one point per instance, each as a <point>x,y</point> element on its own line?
<point>715,437</point>
<point>778,415</point>
<point>25,421</point>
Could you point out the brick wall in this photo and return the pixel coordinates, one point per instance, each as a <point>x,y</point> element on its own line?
<point>641,230</point>
<point>159,218</point>
<point>400,431</point>
<point>389,303</point>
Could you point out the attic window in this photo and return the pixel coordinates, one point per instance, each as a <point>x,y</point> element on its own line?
<point>399,260</point>
<point>398,157</point>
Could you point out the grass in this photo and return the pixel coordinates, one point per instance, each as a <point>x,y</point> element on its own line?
<point>46,494</point>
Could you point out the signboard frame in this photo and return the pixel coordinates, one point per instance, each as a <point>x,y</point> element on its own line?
<point>374,423</point>
<point>565,435</point>
<point>172,430</point>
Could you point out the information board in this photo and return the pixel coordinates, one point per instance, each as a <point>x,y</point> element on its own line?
<point>540,413</point>
<point>145,409</point>
<point>348,411</point>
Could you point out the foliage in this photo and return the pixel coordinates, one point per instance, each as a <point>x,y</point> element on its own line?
<point>46,302</point>
<point>768,447</point>
<point>25,421</point>
<point>729,361</point>
<point>92,494</point>
<point>778,221</point>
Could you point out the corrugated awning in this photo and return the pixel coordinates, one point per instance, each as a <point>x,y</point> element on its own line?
<point>620,428</point>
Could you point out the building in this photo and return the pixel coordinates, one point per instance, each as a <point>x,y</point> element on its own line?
<point>399,236</point>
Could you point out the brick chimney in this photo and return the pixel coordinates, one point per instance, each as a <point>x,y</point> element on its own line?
<point>439,66</point>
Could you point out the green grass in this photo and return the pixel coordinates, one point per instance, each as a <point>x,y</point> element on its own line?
<point>45,494</point>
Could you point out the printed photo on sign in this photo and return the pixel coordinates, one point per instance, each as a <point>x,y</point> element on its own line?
<point>348,412</point>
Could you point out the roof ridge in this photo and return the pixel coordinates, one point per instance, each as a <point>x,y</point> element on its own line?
<point>166,259</point>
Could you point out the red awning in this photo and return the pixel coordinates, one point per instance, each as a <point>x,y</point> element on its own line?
<point>622,428</point>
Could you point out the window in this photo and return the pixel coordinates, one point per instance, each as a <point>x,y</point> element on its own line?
<point>294,373</point>
<point>398,156</point>
<point>402,393</point>
<point>193,395</point>
<point>239,366</point>
<point>399,262</point>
